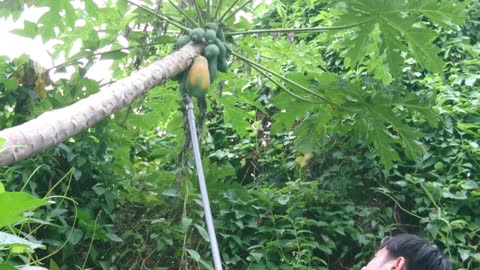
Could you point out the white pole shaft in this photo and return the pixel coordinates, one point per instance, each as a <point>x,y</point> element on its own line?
<point>203,187</point>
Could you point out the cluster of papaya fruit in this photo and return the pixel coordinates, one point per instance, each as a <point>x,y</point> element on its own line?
<point>203,71</point>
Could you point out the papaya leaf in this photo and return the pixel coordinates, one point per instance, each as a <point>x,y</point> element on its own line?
<point>379,115</point>
<point>398,24</point>
<point>392,57</point>
<point>383,145</point>
<point>314,124</point>
<point>354,54</point>
<point>235,115</point>
<point>291,110</point>
<point>446,14</point>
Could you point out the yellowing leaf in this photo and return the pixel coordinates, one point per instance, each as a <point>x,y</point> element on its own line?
<point>303,159</point>
<point>243,162</point>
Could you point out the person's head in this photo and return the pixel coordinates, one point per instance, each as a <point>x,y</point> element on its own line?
<point>408,252</point>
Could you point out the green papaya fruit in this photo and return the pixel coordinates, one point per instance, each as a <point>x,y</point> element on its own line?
<point>197,34</point>
<point>222,56</point>
<point>211,53</point>
<point>210,36</point>
<point>181,41</point>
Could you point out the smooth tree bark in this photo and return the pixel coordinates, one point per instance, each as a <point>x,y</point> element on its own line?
<point>54,127</point>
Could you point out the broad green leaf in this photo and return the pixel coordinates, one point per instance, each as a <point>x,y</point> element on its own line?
<point>392,47</point>
<point>360,41</point>
<point>412,147</point>
<point>383,145</point>
<point>422,105</point>
<point>195,255</point>
<point>186,223</point>
<point>91,8</point>
<point>91,40</point>
<point>202,232</point>
<point>420,41</point>
<point>75,236</point>
<point>395,23</point>
<point>29,30</point>
<point>291,110</point>
<point>69,17</point>
<point>444,13</point>
<point>235,115</point>
<point>14,204</point>
<point>9,84</point>
<point>48,22</point>
<point>113,237</point>
<point>313,124</point>
<point>19,244</point>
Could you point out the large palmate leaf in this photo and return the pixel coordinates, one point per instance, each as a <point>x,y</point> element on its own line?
<point>378,121</point>
<point>392,27</point>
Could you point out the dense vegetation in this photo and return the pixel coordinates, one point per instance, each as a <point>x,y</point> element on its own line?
<point>371,128</point>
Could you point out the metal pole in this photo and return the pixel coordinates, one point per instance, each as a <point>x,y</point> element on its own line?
<point>203,187</point>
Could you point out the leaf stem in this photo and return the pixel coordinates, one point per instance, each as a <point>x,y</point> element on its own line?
<point>101,53</point>
<point>235,12</point>
<point>172,22</point>
<point>226,11</point>
<point>283,87</point>
<point>283,78</point>
<point>192,21</point>
<point>199,13</point>
<point>217,8</point>
<point>299,30</point>
<point>208,17</point>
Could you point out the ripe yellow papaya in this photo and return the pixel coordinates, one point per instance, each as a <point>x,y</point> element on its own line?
<point>198,77</point>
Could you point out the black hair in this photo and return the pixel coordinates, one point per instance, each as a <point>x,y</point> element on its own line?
<point>418,253</point>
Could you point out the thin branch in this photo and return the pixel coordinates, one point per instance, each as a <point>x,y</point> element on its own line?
<point>322,97</point>
<point>228,9</point>
<point>101,53</point>
<point>300,30</point>
<point>192,21</point>
<point>283,87</point>
<point>217,8</point>
<point>172,22</point>
<point>208,17</point>
<point>199,13</point>
<point>235,12</point>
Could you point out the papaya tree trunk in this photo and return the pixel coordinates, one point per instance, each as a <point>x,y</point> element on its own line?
<point>54,127</point>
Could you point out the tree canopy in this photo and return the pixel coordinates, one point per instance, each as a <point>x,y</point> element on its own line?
<point>337,124</point>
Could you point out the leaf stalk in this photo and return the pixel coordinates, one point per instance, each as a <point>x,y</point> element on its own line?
<point>299,30</point>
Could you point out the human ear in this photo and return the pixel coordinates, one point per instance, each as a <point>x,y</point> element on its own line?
<point>399,264</point>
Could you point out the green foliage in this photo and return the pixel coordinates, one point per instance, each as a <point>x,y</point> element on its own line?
<point>390,27</point>
<point>316,147</point>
